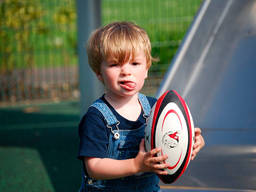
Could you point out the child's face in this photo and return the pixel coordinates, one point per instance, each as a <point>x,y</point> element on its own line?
<point>124,79</point>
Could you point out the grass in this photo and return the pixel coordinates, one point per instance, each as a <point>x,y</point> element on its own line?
<point>166,22</point>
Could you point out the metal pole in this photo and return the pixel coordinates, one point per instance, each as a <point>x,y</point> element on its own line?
<point>88,19</point>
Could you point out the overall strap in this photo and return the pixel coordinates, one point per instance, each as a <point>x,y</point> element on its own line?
<point>106,112</point>
<point>145,104</point>
<point>109,117</point>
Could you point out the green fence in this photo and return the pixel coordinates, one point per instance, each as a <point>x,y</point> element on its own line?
<point>38,39</point>
<point>166,22</point>
<point>38,57</point>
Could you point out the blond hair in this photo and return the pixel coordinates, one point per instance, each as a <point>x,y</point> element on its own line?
<point>117,41</point>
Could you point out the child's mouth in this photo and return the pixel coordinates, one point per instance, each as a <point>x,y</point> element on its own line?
<point>128,85</point>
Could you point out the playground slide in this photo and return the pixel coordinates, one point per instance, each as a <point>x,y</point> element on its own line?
<point>215,68</point>
<point>215,72</point>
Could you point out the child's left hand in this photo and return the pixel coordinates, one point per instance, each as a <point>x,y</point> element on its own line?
<point>199,143</point>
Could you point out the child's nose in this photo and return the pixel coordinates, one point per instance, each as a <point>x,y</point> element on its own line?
<point>126,69</point>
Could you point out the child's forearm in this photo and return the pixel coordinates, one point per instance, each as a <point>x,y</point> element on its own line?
<point>107,168</point>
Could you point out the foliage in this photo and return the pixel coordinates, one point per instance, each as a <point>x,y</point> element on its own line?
<point>19,21</point>
<point>66,16</point>
<point>34,34</point>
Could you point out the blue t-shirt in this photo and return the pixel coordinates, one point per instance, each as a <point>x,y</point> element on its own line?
<point>94,134</point>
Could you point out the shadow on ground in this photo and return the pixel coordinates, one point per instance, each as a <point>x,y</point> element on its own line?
<point>42,130</point>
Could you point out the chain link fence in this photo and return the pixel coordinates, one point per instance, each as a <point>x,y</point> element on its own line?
<point>38,59</point>
<point>166,22</point>
<point>38,40</point>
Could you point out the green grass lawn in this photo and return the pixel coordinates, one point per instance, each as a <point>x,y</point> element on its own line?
<point>165,21</point>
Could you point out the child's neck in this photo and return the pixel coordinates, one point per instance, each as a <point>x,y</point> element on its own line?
<point>128,107</point>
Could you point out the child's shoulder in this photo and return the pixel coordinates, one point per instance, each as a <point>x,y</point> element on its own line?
<point>92,115</point>
<point>151,100</point>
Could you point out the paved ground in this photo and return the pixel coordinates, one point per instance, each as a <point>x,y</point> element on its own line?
<point>223,167</point>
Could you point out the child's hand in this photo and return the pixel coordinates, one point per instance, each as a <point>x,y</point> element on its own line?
<point>149,162</point>
<point>199,143</point>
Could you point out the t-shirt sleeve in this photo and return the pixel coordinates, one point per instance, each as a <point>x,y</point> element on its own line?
<point>93,135</point>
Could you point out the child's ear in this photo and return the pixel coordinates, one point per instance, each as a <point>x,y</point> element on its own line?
<point>99,76</point>
<point>146,75</point>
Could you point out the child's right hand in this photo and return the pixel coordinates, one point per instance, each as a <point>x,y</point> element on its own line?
<point>149,161</point>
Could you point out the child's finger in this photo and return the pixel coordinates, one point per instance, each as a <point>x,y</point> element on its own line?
<point>154,152</point>
<point>196,144</point>
<point>194,153</point>
<point>159,159</point>
<point>160,166</point>
<point>161,172</point>
<point>197,131</point>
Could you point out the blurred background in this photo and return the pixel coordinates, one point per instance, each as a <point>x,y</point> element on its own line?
<point>38,45</point>
<point>39,83</point>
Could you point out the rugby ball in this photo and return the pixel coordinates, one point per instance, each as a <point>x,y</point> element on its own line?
<point>170,126</point>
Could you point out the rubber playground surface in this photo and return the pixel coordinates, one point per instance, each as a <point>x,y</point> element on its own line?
<point>38,147</point>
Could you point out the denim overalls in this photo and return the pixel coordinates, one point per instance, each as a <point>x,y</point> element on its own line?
<point>123,144</point>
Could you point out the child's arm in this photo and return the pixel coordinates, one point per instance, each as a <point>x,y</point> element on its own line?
<point>106,168</point>
<point>199,143</point>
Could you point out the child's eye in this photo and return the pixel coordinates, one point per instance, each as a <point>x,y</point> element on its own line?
<point>113,64</point>
<point>135,63</point>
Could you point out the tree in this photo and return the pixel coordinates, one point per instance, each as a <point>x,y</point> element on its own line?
<point>18,21</point>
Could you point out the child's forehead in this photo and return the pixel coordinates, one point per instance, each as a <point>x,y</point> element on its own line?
<point>129,55</point>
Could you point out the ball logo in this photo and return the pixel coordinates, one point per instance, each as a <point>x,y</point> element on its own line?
<point>171,139</point>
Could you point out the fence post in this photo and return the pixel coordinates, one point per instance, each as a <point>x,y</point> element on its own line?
<point>88,19</point>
